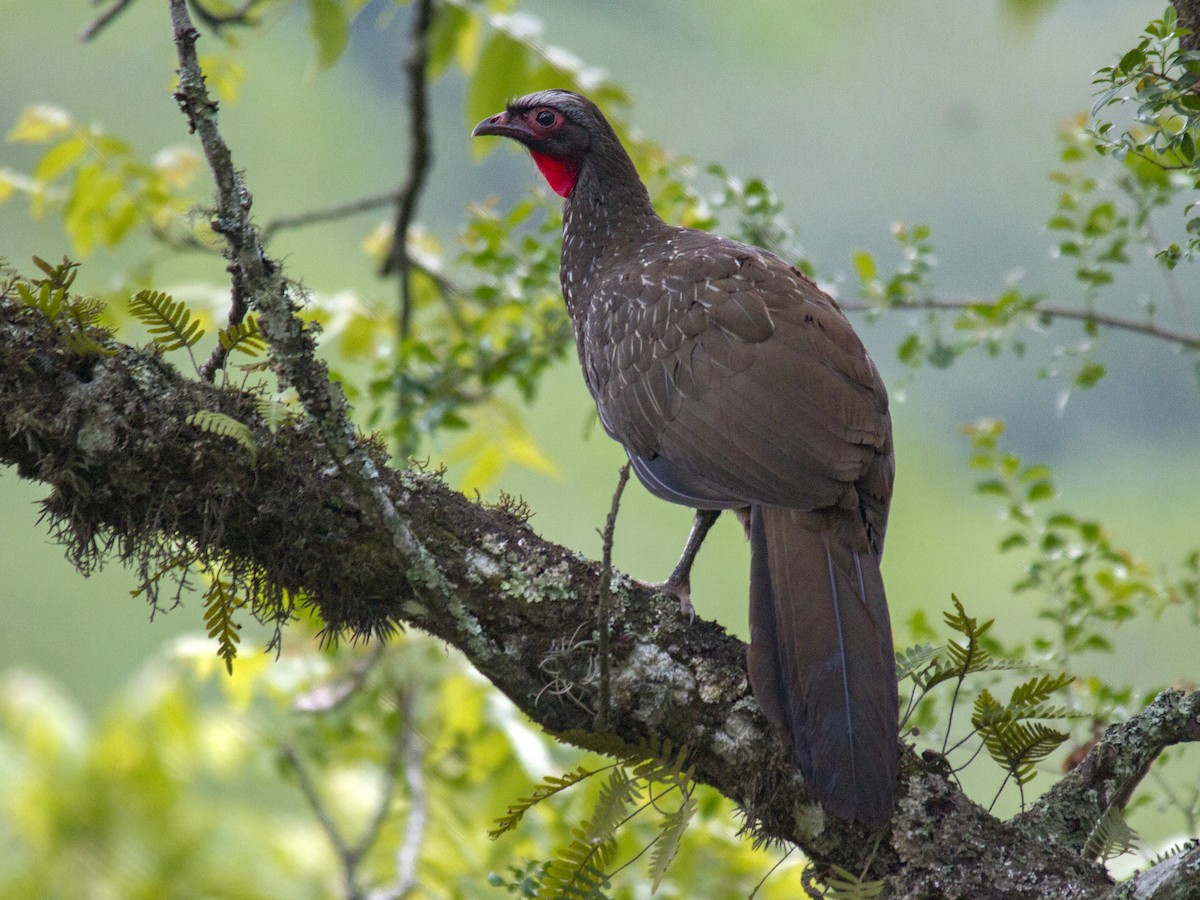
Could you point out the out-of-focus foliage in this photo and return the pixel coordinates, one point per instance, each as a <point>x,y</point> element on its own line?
<point>96,181</point>
<point>1155,82</point>
<point>191,785</point>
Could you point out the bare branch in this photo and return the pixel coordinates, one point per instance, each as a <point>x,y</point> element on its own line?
<point>409,850</point>
<point>420,156</point>
<point>346,855</point>
<point>257,282</point>
<point>605,597</point>
<point>1182,339</point>
<point>104,19</point>
<point>330,213</point>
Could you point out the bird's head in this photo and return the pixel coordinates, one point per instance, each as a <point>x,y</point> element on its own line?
<point>560,128</point>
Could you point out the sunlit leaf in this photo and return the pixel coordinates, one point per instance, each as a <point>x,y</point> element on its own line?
<point>39,124</point>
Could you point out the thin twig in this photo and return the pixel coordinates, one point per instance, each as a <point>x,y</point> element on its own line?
<point>602,611</point>
<point>249,267</point>
<point>420,155</point>
<point>770,872</point>
<point>104,20</point>
<point>217,21</point>
<point>254,276</point>
<point>1183,339</point>
<point>330,213</point>
<point>346,855</point>
<point>328,697</point>
<point>409,851</point>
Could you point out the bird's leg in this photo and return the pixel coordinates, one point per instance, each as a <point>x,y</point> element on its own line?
<point>679,585</point>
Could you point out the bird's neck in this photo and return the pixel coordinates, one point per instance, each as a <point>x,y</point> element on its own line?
<point>607,216</point>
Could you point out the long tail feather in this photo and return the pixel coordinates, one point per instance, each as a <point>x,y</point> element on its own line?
<point>821,659</point>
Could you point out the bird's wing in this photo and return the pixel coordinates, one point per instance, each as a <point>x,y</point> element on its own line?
<point>733,379</point>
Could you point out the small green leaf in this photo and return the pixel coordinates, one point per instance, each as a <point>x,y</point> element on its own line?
<point>864,265</point>
<point>60,158</point>
<point>330,28</point>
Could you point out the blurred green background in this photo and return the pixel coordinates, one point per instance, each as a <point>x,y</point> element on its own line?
<point>859,114</point>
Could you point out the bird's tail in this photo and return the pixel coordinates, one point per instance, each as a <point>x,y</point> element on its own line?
<point>821,659</point>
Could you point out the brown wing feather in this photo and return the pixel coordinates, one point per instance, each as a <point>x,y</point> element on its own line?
<point>741,371</point>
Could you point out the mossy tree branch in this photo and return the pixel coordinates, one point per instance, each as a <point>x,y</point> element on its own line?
<point>130,480</point>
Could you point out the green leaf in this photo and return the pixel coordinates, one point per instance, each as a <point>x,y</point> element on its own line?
<point>452,27</point>
<point>330,28</point>
<point>1040,490</point>
<point>60,158</point>
<point>864,265</point>
<point>39,124</point>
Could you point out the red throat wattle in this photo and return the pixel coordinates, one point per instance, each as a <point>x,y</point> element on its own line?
<point>561,173</point>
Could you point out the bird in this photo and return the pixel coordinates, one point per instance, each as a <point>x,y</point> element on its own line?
<point>735,383</point>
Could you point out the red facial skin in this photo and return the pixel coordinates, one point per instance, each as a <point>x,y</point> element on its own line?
<point>560,172</point>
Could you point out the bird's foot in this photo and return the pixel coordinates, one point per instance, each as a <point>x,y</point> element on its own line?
<point>681,590</point>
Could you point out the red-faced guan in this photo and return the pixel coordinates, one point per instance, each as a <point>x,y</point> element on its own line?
<point>734,382</point>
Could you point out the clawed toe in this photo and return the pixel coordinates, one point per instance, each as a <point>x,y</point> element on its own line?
<point>681,591</point>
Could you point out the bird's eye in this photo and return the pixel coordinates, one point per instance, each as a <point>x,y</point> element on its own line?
<point>545,118</point>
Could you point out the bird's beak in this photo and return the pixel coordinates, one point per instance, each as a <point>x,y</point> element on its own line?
<point>502,125</point>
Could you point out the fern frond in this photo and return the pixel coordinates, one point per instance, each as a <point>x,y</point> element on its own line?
<point>1111,837</point>
<point>667,842</point>
<point>579,870</point>
<point>551,785</point>
<point>1019,746</point>
<point>48,300</point>
<point>660,762</point>
<point>1174,850</point>
<point>274,412</point>
<point>914,658</point>
<point>1037,691</point>
<point>220,603</point>
<point>59,276</point>
<point>169,321</point>
<point>243,337</point>
<point>225,426</point>
<point>70,316</point>
<point>843,885</point>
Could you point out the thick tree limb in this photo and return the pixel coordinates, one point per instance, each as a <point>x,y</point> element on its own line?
<point>1176,878</point>
<point>106,433</point>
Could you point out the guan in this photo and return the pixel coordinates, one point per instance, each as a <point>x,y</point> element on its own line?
<point>734,382</point>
